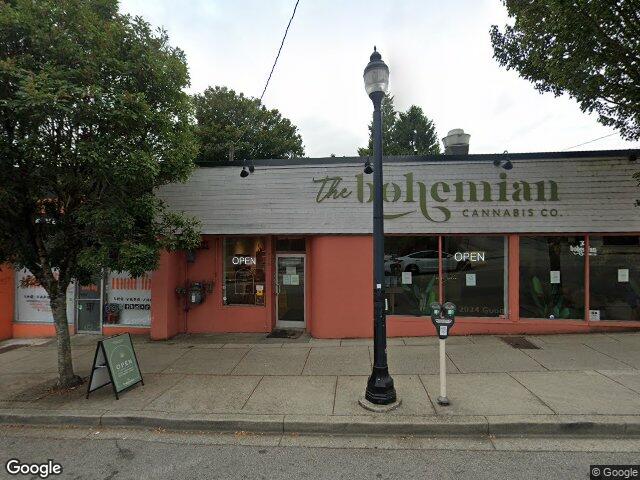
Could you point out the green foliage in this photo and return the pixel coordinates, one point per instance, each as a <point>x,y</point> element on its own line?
<point>231,126</point>
<point>93,119</point>
<point>589,50</point>
<point>404,133</point>
<point>549,301</point>
<point>423,298</point>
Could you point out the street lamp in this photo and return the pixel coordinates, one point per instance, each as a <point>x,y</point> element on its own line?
<point>380,390</point>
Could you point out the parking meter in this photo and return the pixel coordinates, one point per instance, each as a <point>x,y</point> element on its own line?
<point>443,317</point>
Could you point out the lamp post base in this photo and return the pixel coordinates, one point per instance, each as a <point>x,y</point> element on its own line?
<point>380,390</point>
<point>444,401</point>
<point>373,407</point>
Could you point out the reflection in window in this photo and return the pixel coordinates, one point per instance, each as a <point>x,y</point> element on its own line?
<point>474,274</point>
<point>552,277</point>
<point>244,275</point>
<point>411,274</point>
<point>614,267</point>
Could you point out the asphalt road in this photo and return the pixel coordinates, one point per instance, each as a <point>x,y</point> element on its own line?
<point>127,454</point>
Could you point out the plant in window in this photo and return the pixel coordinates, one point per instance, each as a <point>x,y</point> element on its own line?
<point>550,302</point>
<point>423,297</point>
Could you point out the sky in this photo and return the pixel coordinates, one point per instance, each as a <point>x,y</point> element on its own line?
<point>439,55</point>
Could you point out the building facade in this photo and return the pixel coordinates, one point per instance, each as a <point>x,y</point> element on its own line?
<point>549,245</point>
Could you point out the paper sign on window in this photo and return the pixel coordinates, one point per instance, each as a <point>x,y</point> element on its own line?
<point>554,276</point>
<point>286,279</point>
<point>594,315</point>
<point>291,270</point>
<point>406,278</point>
<point>471,279</point>
<point>623,274</point>
<point>295,279</point>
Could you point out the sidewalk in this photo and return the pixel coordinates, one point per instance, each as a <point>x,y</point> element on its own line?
<point>586,384</point>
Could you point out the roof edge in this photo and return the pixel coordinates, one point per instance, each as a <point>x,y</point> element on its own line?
<point>585,154</point>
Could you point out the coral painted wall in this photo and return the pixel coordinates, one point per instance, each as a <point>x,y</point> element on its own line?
<point>7,298</point>
<point>342,283</point>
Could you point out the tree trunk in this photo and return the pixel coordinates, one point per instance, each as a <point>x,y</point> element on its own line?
<point>66,377</point>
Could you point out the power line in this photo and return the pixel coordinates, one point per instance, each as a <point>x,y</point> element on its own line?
<point>591,141</point>
<point>280,49</point>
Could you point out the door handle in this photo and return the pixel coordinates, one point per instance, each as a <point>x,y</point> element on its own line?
<point>277,289</point>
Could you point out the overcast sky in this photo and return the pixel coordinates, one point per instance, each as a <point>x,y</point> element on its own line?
<point>438,52</point>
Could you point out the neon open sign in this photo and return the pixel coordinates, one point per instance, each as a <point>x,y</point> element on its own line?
<point>471,256</point>
<point>243,260</point>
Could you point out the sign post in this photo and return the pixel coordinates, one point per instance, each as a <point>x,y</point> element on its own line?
<point>443,318</point>
<point>115,363</point>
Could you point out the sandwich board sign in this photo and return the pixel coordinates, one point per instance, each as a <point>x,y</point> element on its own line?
<point>115,363</point>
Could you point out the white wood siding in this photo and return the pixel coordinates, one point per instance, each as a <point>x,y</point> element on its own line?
<point>594,195</point>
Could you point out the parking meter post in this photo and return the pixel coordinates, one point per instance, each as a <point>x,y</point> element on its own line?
<point>442,399</point>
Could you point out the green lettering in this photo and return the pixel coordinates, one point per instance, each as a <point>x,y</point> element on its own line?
<point>434,191</point>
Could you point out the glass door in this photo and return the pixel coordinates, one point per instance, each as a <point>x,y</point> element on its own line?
<point>89,307</point>
<point>290,290</point>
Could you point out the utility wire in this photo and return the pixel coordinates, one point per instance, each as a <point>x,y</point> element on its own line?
<point>591,141</point>
<point>280,49</point>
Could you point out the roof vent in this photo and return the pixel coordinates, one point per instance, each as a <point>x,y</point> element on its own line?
<point>456,142</point>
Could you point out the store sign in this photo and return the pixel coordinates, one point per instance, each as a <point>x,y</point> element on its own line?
<point>579,250</point>
<point>243,260</point>
<point>431,199</point>
<point>469,256</point>
<point>115,363</point>
<point>421,196</point>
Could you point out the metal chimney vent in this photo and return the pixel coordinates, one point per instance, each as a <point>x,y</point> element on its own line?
<point>456,142</point>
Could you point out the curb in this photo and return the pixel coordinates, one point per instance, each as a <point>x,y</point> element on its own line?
<point>433,426</point>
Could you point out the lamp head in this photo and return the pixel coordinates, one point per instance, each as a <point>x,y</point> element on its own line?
<point>376,74</point>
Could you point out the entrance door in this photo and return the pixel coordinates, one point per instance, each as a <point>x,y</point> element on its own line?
<point>290,290</point>
<point>89,307</point>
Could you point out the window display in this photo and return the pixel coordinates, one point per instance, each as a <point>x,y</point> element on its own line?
<point>614,287</point>
<point>552,277</point>
<point>244,271</point>
<point>411,274</point>
<point>474,274</point>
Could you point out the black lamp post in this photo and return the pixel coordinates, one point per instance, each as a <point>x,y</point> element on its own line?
<point>380,390</point>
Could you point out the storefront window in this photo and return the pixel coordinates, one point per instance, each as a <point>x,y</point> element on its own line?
<point>614,266</point>
<point>128,299</point>
<point>411,274</point>
<point>244,271</point>
<point>474,274</point>
<point>552,277</point>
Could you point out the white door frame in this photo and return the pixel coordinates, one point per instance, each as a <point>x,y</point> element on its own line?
<point>285,323</point>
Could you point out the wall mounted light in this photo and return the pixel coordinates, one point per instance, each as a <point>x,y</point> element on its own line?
<point>368,169</point>
<point>246,170</point>
<point>503,162</point>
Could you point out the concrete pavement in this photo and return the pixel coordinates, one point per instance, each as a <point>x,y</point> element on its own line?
<point>573,383</point>
<point>91,453</point>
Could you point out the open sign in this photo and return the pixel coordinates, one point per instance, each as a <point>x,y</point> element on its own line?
<point>470,256</point>
<point>243,260</point>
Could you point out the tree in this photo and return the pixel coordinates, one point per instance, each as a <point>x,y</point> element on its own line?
<point>589,50</point>
<point>231,127</point>
<point>415,134</point>
<point>404,133</point>
<point>93,119</point>
<point>389,116</point>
